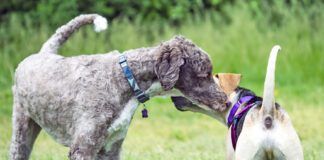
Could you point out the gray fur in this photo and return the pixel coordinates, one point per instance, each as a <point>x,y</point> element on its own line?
<point>80,100</point>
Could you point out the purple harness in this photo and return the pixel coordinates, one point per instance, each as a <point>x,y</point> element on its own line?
<point>234,118</point>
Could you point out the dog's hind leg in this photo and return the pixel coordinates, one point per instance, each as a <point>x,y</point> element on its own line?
<point>250,139</point>
<point>25,131</point>
<point>288,141</point>
<point>229,147</point>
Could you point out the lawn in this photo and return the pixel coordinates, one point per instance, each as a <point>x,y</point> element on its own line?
<point>170,134</point>
<point>241,46</point>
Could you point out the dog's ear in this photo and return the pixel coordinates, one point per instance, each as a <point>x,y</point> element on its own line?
<point>228,81</point>
<point>168,65</point>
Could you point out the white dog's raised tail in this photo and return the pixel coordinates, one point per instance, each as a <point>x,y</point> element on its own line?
<point>268,103</point>
<point>65,31</point>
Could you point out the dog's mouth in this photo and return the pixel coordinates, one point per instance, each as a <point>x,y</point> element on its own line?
<point>181,103</point>
<point>184,104</point>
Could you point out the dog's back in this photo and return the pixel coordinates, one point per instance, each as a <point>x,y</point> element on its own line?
<point>258,142</point>
<point>267,132</point>
<point>51,88</point>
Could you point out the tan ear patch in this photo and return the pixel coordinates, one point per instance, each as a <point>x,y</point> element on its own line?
<point>228,81</point>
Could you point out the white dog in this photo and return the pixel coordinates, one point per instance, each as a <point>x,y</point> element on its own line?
<point>266,131</point>
<point>259,129</point>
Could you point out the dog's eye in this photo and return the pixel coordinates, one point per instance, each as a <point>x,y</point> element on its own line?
<point>209,74</point>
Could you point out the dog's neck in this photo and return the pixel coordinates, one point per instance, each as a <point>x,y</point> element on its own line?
<point>236,96</point>
<point>233,98</point>
<point>142,62</point>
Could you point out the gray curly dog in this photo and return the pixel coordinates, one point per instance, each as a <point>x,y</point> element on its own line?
<point>85,103</point>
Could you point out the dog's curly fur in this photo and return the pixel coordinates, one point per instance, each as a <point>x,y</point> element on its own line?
<point>78,100</point>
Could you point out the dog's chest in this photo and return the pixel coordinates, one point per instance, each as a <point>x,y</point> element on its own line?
<point>118,130</point>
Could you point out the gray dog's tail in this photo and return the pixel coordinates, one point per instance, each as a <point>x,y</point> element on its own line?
<point>64,32</point>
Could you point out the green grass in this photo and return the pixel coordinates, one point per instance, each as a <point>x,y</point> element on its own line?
<point>240,45</point>
<point>170,134</point>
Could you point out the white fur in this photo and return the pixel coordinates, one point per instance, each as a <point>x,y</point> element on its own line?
<point>254,138</point>
<point>118,130</point>
<point>100,23</point>
<point>257,141</point>
<point>269,84</point>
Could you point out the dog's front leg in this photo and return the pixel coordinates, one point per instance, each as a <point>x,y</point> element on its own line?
<point>113,153</point>
<point>90,136</point>
<point>250,140</point>
<point>229,147</point>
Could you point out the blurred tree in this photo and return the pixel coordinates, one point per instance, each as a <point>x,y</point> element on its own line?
<point>146,11</point>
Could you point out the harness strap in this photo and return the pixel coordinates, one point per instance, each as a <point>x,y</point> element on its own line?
<point>237,118</point>
<point>236,106</point>
<point>139,94</point>
<point>234,119</point>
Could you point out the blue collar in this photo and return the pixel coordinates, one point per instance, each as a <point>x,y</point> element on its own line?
<point>140,95</point>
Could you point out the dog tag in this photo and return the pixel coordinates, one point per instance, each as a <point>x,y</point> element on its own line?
<point>144,113</point>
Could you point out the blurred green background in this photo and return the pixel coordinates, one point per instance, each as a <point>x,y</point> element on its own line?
<point>238,35</point>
